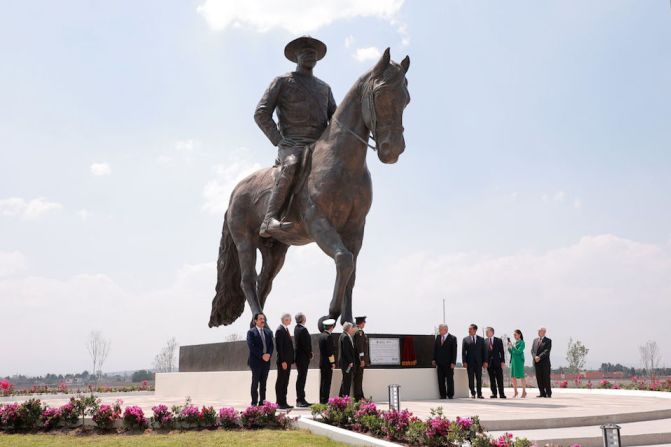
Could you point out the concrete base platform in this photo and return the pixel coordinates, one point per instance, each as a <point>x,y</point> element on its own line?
<point>416,384</point>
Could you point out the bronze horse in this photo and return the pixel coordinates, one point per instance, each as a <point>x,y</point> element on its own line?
<point>328,208</point>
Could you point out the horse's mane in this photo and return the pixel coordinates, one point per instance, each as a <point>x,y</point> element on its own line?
<point>392,73</point>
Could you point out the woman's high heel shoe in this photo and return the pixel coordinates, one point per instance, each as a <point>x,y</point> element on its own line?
<point>524,394</point>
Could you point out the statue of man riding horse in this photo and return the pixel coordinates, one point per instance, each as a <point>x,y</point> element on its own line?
<point>322,157</point>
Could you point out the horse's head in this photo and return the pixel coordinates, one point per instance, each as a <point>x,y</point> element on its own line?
<point>385,96</point>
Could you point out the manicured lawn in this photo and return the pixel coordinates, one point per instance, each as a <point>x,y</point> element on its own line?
<point>219,438</point>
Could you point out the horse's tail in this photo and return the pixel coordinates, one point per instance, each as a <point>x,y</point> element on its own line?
<point>229,301</point>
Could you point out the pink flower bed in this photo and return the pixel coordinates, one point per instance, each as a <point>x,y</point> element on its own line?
<point>31,415</point>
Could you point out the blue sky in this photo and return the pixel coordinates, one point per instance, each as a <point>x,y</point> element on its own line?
<point>536,174</point>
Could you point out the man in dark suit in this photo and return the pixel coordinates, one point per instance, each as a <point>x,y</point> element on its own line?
<point>285,357</point>
<point>326,360</point>
<point>474,358</point>
<point>260,343</point>
<point>540,351</point>
<point>363,358</point>
<point>444,360</point>
<point>347,358</point>
<point>497,361</point>
<point>303,356</point>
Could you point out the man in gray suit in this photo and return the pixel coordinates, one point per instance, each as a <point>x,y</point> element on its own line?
<point>474,358</point>
<point>540,351</point>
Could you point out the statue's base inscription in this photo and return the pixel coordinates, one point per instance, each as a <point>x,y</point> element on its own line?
<point>384,351</point>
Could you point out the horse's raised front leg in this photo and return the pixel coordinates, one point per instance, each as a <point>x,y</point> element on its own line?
<point>248,277</point>
<point>330,242</point>
<point>273,260</point>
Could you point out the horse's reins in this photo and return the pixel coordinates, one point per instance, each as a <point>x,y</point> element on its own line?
<point>355,135</point>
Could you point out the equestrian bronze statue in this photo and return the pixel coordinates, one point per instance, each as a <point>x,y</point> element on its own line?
<point>332,191</point>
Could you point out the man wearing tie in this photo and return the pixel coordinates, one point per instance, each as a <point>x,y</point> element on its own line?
<point>303,357</point>
<point>326,360</point>
<point>285,357</point>
<point>540,351</point>
<point>347,358</point>
<point>260,344</point>
<point>497,361</point>
<point>444,360</point>
<point>474,358</point>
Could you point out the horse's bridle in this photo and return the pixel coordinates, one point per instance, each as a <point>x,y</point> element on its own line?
<point>368,105</point>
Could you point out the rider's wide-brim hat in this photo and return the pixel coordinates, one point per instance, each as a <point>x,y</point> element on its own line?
<point>292,48</point>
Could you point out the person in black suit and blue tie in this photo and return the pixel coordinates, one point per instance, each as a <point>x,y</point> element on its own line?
<point>474,358</point>
<point>260,344</point>
<point>497,361</point>
<point>444,360</point>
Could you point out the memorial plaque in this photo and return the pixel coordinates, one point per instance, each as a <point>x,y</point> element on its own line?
<point>384,351</point>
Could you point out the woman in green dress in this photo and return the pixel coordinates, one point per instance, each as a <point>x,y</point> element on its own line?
<point>517,362</point>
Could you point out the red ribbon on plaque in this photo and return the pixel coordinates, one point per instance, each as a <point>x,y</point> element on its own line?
<point>408,355</point>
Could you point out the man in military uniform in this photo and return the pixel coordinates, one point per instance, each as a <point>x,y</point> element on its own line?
<point>363,357</point>
<point>326,360</point>
<point>304,106</point>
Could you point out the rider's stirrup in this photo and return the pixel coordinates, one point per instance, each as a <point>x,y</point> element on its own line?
<point>269,226</point>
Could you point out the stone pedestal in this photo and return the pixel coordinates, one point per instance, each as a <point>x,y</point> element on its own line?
<point>232,355</point>
<point>219,371</point>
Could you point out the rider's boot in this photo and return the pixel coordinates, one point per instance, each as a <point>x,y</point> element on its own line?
<point>270,223</point>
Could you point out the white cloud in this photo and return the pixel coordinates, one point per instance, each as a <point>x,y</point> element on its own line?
<point>84,302</point>
<point>217,192</point>
<point>83,214</point>
<point>185,146</point>
<point>367,54</point>
<point>402,29</point>
<point>295,16</point>
<point>599,289</point>
<point>562,197</point>
<point>27,209</point>
<point>183,152</point>
<point>349,40</point>
<point>100,169</point>
<point>11,263</point>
